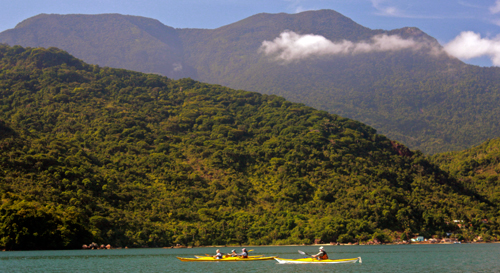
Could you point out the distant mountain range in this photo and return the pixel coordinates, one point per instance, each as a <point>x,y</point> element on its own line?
<point>399,82</point>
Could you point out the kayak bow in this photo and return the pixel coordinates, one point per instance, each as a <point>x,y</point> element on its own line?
<point>315,261</point>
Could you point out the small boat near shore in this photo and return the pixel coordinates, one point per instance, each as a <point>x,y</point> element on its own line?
<point>315,261</point>
<point>228,259</point>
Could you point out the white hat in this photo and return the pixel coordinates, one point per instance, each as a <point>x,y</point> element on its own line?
<point>320,247</point>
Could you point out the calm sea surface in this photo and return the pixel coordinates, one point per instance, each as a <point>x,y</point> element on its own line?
<point>391,258</point>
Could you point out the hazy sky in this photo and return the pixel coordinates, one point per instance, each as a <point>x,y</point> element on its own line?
<point>470,28</point>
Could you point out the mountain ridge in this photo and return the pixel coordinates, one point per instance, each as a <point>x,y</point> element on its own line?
<point>404,93</point>
<point>101,31</point>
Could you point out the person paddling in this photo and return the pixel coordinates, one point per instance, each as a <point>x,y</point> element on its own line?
<point>218,255</point>
<point>244,253</point>
<point>233,253</point>
<point>321,254</point>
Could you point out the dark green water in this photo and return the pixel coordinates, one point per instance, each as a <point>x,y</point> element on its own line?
<point>400,258</point>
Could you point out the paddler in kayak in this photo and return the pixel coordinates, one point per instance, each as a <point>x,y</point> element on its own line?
<point>321,254</point>
<point>218,255</point>
<point>244,253</point>
<point>233,253</point>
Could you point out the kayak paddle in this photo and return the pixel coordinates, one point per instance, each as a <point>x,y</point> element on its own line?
<point>303,253</point>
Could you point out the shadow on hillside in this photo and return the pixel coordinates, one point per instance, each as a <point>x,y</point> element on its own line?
<point>6,131</point>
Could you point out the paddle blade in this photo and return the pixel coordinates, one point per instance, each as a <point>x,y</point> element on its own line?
<point>303,253</point>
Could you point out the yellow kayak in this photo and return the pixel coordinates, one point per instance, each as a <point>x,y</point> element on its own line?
<point>228,256</point>
<point>228,259</point>
<point>315,261</point>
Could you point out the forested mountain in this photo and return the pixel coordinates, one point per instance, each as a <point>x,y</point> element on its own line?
<point>417,95</point>
<point>114,40</point>
<point>131,159</point>
<point>477,168</point>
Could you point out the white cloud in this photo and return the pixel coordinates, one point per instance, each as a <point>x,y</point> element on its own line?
<point>299,9</point>
<point>385,9</point>
<point>290,46</point>
<point>177,66</point>
<point>467,4</point>
<point>496,8</point>
<point>410,9</point>
<point>496,22</point>
<point>470,45</point>
<point>296,6</point>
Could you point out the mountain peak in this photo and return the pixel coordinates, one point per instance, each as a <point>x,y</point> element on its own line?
<point>414,33</point>
<point>328,23</point>
<point>104,39</point>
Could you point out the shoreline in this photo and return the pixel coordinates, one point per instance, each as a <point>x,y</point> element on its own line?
<point>333,245</point>
<point>250,246</point>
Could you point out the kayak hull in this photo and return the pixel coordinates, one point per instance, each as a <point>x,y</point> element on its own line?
<point>228,259</point>
<point>315,261</point>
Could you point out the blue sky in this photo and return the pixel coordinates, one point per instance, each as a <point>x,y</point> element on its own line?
<point>472,25</point>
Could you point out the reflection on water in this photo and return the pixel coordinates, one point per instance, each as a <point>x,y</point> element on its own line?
<point>397,258</point>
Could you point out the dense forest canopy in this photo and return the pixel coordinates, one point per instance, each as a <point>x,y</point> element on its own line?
<point>91,153</point>
<point>428,101</point>
<point>477,168</point>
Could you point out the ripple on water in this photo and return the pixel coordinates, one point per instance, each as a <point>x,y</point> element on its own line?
<point>391,258</point>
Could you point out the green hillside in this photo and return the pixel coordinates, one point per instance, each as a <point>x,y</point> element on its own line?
<point>431,102</point>
<point>477,168</point>
<point>425,99</point>
<point>131,159</point>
